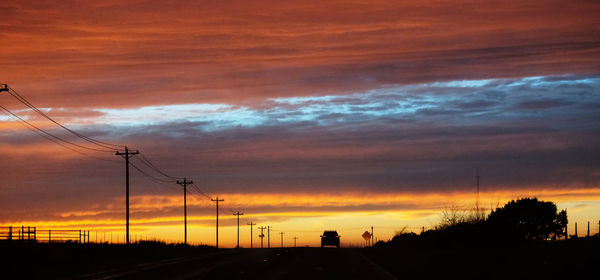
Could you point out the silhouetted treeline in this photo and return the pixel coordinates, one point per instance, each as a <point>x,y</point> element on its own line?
<point>520,220</point>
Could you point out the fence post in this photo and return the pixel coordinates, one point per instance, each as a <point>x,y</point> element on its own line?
<point>35,233</point>
<point>566,232</point>
<point>588,232</point>
<point>79,236</point>
<point>88,237</point>
<point>575,230</point>
<point>49,236</point>
<point>22,233</point>
<point>10,233</point>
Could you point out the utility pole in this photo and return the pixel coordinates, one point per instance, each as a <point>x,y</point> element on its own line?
<point>295,238</point>
<point>372,237</point>
<point>238,214</point>
<point>281,239</point>
<point>184,183</point>
<point>477,201</point>
<point>268,236</point>
<point>251,224</point>
<point>262,235</point>
<point>217,200</point>
<point>127,154</point>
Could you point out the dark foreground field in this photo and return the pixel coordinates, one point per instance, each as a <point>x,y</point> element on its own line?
<point>73,261</point>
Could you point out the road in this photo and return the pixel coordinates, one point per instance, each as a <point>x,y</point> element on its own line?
<point>287,263</point>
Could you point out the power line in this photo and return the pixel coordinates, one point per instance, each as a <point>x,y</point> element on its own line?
<point>50,134</point>
<point>153,177</point>
<point>23,100</point>
<point>148,163</point>
<point>27,125</point>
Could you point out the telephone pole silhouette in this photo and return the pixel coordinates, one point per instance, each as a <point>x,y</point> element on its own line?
<point>477,201</point>
<point>295,238</point>
<point>251,224</point>
<point>217,200</point>
<point>268,236</point>
<point>262,235</point>
<point>372,236</point>
<point>184,183</point>
<point>281,239</point>
<point>127,154</point>
<point>238,214</point>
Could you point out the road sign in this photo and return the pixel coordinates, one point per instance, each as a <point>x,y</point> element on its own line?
<point>366,235</point>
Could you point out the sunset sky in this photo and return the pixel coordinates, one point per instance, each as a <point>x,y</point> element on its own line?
<point>304,115</point>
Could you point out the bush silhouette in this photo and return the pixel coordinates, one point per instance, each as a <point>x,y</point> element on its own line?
<point>528,218</point>
<point>519,220</point>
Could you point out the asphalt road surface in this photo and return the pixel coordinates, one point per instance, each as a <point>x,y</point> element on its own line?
<point>287,263</point>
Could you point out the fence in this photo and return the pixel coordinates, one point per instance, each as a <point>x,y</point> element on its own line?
<point>44,235</point>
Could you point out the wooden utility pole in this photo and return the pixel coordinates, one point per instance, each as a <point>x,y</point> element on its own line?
<point>184,183</point>
<point>127,154</point>
<point>251,224</point>
<point>281,239</point>
<point>262,235</point>
<point>295,238</point>
<point>268,236</point>
<point>372,236</point>
<point>217,201</point>
<point>238,214</point>
<point>477,201</point>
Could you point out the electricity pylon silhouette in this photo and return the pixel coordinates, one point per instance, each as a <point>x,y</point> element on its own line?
<point>184,183</point>
<point>251,224</point>
<point>238,214</point>
<point>127,154</point>
<point>217,200</point>
<point>262,235</point>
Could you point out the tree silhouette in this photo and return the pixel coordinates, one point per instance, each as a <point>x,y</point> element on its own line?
<point>528,218</point>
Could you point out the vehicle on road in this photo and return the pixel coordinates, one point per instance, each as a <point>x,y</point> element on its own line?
<point>330,238</point>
